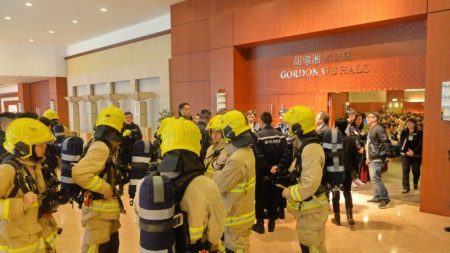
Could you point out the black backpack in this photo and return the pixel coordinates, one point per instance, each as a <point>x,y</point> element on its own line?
<point>140,165</point>
<point>163,225</point>
<point>71,152</point>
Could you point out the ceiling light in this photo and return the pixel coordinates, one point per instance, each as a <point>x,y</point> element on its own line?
<point>7,18</point>
<point>28,4</point>
<point>51,31</point>
<point>75,21</point>
<point>103,9</point>
<point>31,40</point>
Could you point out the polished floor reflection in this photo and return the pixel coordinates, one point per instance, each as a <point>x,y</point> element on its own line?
<point>400,228</point>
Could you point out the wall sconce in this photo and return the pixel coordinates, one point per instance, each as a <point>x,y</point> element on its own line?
<point>19,107</point>
<point>52,104</point>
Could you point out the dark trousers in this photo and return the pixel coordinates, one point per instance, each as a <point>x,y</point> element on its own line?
<point>111,246</point>
<point>267,197</point>
<point>347,185</point>
<point>408,164</point>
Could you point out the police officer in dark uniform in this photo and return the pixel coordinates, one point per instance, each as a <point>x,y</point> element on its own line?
<point>134,135</point>
<point>273,156</point>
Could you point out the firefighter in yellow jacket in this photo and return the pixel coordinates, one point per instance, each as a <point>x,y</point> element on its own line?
<point>21,188</point>
<point>306,199</point>
<point>201,201</point>
<point>97,173</point>
<point>218,143</point>
<point>235,175</point>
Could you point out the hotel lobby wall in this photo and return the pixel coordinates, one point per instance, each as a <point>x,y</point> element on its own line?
<point>435,190</point>
<point>237,30</point>
<point>123,67</point>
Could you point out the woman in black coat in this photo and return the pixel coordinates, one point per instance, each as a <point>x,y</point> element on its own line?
<point>411,153</point>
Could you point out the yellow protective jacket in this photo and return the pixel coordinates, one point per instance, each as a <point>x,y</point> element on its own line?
<point>313,159</point>
<point>204,207</point>
<point>20,230</point>
<point>236,182</point>
<point>86,174</point>
<point>210,157</point>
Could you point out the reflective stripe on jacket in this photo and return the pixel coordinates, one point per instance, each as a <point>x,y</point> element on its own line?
<point>86,174</point>
<point>313,160</point>
<point>236,181</point>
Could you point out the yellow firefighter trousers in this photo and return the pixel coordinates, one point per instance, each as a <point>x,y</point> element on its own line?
<point>237,238</point>
<point>311,228</point>
<point>96,232</point>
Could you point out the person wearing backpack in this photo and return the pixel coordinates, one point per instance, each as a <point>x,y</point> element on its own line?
<point>179,189</point>
<point>217,143</point>
<point>22,188</point>
<point>306,197</point>
<point>98,174</point>
<point>334,171</point>
<point>235,175</point>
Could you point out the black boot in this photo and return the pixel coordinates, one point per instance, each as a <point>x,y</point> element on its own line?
<point>281,213</point>
<point>258,227</point>
<point>350,217</point>
<point>337,219</point>
<point>271,225</point>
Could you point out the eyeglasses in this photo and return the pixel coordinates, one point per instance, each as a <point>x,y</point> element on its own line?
<point>370,116</point>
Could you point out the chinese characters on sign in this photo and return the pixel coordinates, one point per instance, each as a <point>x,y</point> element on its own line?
<point>309,69</point>
<point>305,60</point>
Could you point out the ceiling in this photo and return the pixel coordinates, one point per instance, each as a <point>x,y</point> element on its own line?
<point>35,22</point>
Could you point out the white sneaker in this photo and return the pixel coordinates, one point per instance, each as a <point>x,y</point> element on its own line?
<point>354,185</point>
<point>359,182</point>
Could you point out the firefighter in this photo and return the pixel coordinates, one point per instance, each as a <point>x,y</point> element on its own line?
<point>306,198</point>
<point>97,172</point>
<point>198,196</point>
<point>218,143</point>
<point>235,176</point>
<point>22,188</point>
<point>52,115</point>
<point>157,142</point>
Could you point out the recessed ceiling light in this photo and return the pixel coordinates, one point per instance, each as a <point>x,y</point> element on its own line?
<point>75,21</point>
<point>103,9</point>
<point>31,40</point>
<point>28,4</point>
<point>7,18</point>
<point>51,31</point>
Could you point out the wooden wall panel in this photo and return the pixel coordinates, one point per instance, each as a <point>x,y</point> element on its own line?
<point>221,67</point>
<point>190,11</point>
<point>190,67</point>
<point>243,92</point>
<point>23,90</point>
<point>415,107</point>
<point>195,93</point>
<point>435,190</point>
<point>294,18</point>
<point>39,97</point>
<point>58,92</point>
<point>337,106</point>
<point>222,28</point>
<point>438,5</point>
<point>190,38</point>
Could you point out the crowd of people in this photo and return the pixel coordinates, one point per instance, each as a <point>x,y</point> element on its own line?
<point>207,181</point>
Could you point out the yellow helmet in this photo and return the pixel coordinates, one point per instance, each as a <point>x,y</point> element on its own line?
<point>301,120</point>
<point>111,116</point>
<point>181,134</point>
<point>51,114</point>
<point>163,125</point>
<point>233,124</point>
<point>23,133</point>
<point>215,122</point>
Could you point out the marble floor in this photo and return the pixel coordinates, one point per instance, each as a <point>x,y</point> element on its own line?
<point>398,229</point>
